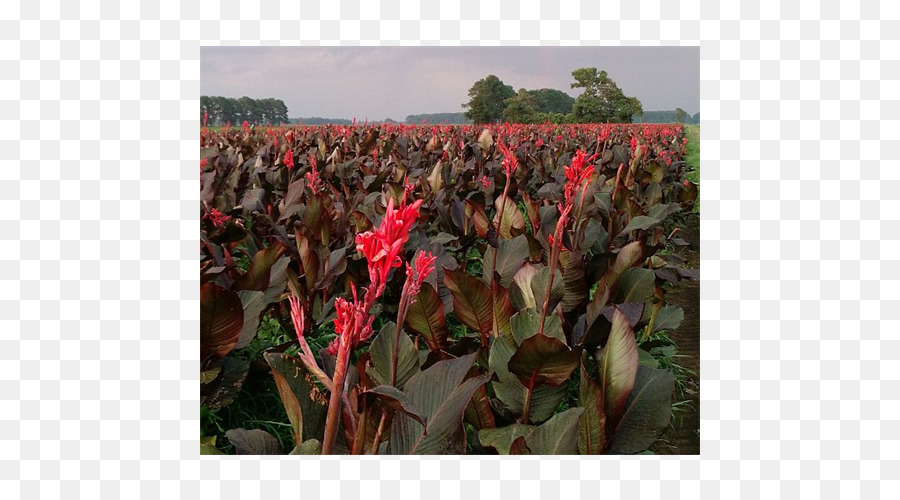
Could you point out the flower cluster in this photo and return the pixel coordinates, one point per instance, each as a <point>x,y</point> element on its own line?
<point>297,315</point>
<point>289,159</point>
<point>423,265</point>
<point>576,174</point>
<point>509,160</point>
<point>312,177</point>
<point>352,323</point>
<point>217,218</point>
<point>485,181</point>
<point>604,133</point>
<point>383,246</point>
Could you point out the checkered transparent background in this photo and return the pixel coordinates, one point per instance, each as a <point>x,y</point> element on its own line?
<point>98,274</point>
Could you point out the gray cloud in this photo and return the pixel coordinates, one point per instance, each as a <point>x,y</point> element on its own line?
<point>393,82</point>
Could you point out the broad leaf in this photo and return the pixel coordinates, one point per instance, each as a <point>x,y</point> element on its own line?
<point>557,436</point>
<point>502,309</point>
<point>398,401</point>
<point>253,442</point>
<point>628,256</point>
<point>575,285</point>
<point>543,360</point>
<point>668,318</point>
<point>513,223</point>
<point>478,411</point>
<point>528,323</point>
<point>253,302</point>
<point>471,300</point>
<point>647,411</point>
<point>617,364</point>
<point>223,391</point>
<point>382,352</point>
<point>519,447</point>
<point>639,222</point>
<point>509,390</point>
<point>511,254</point>
<point>305,405</point>
<point>258,276</point>
<point>520,293</point>
<point>592,426</point>
<point>308,447</point>
<point>502,438</point>
<point>442,395</point>
<point>221,320</point>
<point>635,285</point>
<point>540,283</point>
<point>426,318</point>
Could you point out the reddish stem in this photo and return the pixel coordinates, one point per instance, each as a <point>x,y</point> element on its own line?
<point>332,420</point>
<point>379,432</point>
<point>401,317</point>
<point>528,395</point>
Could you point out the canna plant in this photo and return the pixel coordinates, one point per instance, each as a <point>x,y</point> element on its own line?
<point>489,290</point>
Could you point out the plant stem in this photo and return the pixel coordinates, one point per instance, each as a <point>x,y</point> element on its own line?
<point>360,439</point>
<point>401,317</point>
<point>554,257</point>
<point>379,432</point>
<point>527,410</point>
<point>332,421</point>
<point>576,243</point>
<point>612,208</point>
<point>306,356</point>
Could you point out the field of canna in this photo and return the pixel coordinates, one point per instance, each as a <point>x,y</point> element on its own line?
<point>397,289</point>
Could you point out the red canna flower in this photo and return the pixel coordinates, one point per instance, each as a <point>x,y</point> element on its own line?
<point>577,173</point>
<point>423,265</point>
<point>245,126</point>
<point>383,246</point>
<point>485,181</point>
<point>509,160</point>
<point>217,218</point>
<point>203,162</point>
<point>297,315</point>
<point>312,177</point>
<point>289,159</point>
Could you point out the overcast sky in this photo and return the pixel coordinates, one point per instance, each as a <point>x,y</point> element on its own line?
<point>393,82</point>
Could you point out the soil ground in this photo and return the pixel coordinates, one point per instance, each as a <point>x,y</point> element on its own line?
<point>683,437</point>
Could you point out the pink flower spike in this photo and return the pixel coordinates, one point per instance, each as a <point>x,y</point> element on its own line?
<point>423,266</point>
<point>509,160</point>
<point>297,316</point>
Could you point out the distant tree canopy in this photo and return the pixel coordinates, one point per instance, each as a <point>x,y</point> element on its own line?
<point>437,118</point>
<point>221,110</point>
<point>602,100</point>
<point>487,100</point>
<point>671,116</point>
<point>491,100</point>
<point>520,108</point>
<point>552,101</point>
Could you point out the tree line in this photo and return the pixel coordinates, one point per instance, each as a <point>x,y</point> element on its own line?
<point>219,110</point>
<point>602,101</point>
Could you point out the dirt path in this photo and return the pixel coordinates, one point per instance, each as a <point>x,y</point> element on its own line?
<point>683,438</point>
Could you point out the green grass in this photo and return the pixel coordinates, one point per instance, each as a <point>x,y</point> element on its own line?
<point>692,157</point>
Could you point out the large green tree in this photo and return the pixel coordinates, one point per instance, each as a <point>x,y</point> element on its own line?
<point>552,101</point>
<point>487,100</point>
<point>602,100</point>
<point>521,108</point>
